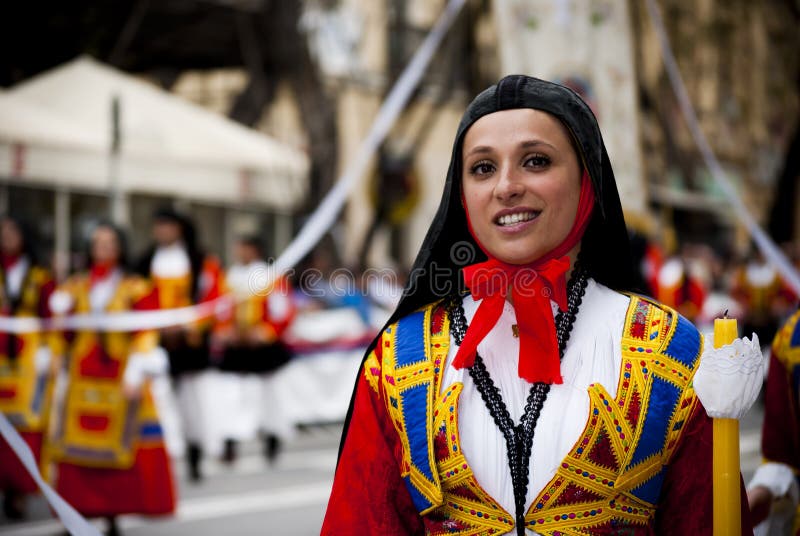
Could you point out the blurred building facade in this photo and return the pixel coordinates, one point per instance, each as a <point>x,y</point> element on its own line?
<point>313,74</point>
<point>738,60</point>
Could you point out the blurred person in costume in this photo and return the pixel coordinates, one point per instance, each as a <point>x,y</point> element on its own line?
<point>774,491</point>
<point>546,399</point>
<point>250,341</point>
<point>25,359</point>
<point>106,438</point>
<point>766,299</point>
<point>682,284</point>
<point>184,276</point>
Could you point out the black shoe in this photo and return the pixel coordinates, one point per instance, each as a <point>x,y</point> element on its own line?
<point>229,453</point>
<point>193,456</point>
<point>272,447</point>
<point>113,528</point>
<point>13,505</point>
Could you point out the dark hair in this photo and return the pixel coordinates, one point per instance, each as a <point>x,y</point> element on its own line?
<point>188,234</point>
<point>27,235</point>
<point>252,240</point>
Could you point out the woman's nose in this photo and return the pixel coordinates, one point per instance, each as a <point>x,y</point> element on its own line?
<point>508,187</point>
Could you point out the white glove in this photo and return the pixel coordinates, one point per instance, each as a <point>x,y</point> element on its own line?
<point>779,479</point>
<point>142,365</point>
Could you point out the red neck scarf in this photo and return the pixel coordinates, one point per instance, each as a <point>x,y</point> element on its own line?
<point>8,261</point>
<point>100,271</point>
<point>531,286</point>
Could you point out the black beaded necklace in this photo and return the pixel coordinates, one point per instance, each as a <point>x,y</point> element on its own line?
<point>519,438</point>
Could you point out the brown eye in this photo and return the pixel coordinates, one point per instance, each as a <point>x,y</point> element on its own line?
<point>482,168</point>
<point>537,161</point>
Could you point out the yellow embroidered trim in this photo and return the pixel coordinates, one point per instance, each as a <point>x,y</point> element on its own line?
<point>643,358</point>
<point>395,381</point>
<point>372,369</point>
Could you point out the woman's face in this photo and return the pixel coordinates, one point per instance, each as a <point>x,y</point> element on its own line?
<point>521,181</point>
<point>10,238</point>
<point>105,247</point>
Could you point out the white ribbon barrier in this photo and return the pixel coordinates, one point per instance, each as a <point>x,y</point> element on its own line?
<point>317,225</point>
<point>124,321</point>
<point>765,244</point>
<point>74,523</point>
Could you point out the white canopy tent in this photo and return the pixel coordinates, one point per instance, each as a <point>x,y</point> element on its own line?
<point>27,124</point>
<point>168,146</point>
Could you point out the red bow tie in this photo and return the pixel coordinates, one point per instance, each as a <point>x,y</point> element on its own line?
<point>531,290</point>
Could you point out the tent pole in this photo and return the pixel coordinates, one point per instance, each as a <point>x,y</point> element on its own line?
<point>117,198</point>
<point>63,226</point>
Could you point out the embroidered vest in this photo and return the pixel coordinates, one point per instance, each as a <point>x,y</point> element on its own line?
<point>96,424</point>
<point>24,394</point>
<point>786,348</point>
<point>611,478</point>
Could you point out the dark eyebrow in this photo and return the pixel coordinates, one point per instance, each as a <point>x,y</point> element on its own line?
<point>529,144</point>
<point>533,143</point>
<point>480,149</point>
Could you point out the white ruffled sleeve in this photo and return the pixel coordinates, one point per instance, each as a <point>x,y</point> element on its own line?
<point>142,365</point>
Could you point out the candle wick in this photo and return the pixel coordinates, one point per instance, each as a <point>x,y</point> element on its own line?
<point>725,314</point>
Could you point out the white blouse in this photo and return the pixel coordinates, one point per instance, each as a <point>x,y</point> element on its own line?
<point>15,277</point>
<point>593,355</point>
<point>170,262</point>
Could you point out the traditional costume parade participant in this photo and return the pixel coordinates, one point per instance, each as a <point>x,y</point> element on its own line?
<point>25,360</point>
<point>251,337</point>
<point>184,276</point>
<point>758,288</point>
<point>545,400</point>
<point>106,439</point>
<point>679,288</point>
<point>774,491</point>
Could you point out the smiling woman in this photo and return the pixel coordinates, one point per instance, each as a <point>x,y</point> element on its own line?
<point>547,399</point>
<point>521,182</point>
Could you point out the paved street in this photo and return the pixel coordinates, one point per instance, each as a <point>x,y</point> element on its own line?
<point>287,499</point>
<point>252,497</point>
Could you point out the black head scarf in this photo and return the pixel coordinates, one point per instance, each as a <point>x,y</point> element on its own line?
<point>605,250</point>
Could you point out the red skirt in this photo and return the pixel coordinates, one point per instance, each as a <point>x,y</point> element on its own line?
<point>13,475</point>
<point>145,488</point>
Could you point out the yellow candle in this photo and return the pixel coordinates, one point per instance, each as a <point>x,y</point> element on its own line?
<point>727,498</point>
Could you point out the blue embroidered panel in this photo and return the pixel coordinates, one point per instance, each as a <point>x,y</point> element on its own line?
<point>415,404</point>
<point>664,397</point>
<point>650,489</point>
<point>795,340</point>
<point>685,343</point>
<point>409,342</point>
<point>150,430</point>
<point>420,502</point>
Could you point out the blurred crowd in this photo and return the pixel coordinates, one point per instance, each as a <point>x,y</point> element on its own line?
<point>105,407</point>
<point>703,284</point>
